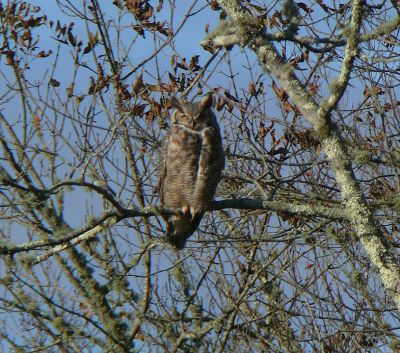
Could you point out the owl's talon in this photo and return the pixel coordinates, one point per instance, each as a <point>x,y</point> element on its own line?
<point>194,212</point>
<point>185,210</point>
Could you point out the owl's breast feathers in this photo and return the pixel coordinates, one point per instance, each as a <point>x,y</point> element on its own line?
<point>192,162</point>
<point>183,151</point>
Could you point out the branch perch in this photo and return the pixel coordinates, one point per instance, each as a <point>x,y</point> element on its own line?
<point>111,218</point>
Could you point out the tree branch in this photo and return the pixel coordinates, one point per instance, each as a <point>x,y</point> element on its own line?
<point>225,36</point>
<point>111,218</point>
<point>366,228</point>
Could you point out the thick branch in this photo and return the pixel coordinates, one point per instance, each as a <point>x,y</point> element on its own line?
<point>359,213</point>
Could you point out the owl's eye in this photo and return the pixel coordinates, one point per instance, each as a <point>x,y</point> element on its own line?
<point>183,116</point>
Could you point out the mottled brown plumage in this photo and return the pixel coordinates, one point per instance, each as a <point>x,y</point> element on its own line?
<point>192,160</point>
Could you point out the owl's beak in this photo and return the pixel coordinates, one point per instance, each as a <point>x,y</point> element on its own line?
<point>192,123</point>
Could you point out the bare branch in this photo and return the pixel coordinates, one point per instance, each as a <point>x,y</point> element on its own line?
<point>370,235</point>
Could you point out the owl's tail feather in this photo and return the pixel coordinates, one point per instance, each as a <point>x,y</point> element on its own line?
<point>176,239</point>
<point>180,229</point>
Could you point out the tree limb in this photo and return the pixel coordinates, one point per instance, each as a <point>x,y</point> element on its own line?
<point>111,218</point>
<point>366,228</point>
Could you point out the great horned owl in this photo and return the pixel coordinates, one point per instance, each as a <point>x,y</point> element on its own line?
<point>192,160</point>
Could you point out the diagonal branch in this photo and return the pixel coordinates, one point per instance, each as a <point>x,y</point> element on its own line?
<point>357,209</point>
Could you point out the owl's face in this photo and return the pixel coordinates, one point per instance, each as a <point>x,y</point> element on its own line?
<point>194,116</point>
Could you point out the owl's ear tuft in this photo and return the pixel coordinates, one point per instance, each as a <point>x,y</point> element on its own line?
<point>207,101</point>
<point>175,102</point>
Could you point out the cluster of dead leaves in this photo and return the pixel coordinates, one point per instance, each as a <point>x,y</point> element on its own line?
<point>20,19</point>
<point>143,12</point>
<point>282,95</point>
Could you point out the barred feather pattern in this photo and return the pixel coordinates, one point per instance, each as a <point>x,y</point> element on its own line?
<point>191,163</point>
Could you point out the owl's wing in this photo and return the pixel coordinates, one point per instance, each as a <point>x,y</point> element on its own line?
<point>162,167</point>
